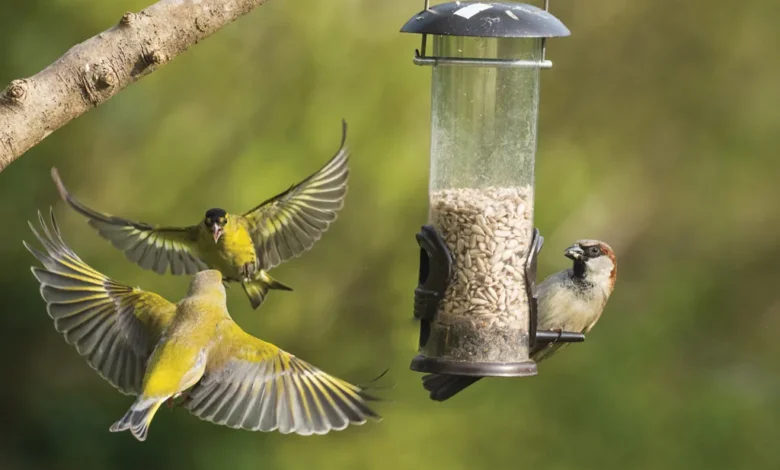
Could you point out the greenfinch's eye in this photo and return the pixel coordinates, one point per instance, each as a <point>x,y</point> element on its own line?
<point>222,221</point>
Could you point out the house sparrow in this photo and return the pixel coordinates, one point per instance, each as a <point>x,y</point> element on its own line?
<point>569,300</point>
<point>241,246</point>
<point>146,346</point>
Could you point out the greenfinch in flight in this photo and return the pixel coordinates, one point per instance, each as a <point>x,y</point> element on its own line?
<point>243,247</point>
<point>156,350</point>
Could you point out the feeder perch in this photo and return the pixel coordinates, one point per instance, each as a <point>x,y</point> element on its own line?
<point>476,295</point>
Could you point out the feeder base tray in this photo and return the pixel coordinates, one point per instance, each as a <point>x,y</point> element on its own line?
<point>475,369</point>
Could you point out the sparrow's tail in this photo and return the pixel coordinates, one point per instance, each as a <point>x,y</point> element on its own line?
<point>444,387</point>
<point>257,290</point>
<point>138,417</point>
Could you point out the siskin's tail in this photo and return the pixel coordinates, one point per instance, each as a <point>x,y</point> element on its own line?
<point>443,386</point>
<point>257,290</point>
<point>138,417</point>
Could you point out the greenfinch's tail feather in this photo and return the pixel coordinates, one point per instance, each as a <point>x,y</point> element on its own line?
<point>138,418</point>
<point>257,290</point>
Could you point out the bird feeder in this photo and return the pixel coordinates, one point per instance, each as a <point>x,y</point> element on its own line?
<point>475,299</point>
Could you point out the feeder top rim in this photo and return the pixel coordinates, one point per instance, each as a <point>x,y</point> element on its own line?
<point>487,20</point>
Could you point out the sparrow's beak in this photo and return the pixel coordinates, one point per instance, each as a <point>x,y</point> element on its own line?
<point>217,232</point>
<point>574,252</point>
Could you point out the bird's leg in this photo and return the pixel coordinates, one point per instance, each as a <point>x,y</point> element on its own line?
<point>247,270</point>
<point>171,401</point>
<point>184,395</point>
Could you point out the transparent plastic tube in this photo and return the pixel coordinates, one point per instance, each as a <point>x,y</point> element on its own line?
<point>484,122</point>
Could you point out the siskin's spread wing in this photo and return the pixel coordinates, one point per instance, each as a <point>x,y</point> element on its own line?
<point>289,223</point>
<point>254,385</point>
<point>113,326</point>
<point>148,246</point>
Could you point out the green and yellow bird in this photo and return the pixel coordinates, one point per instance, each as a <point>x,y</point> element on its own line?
<point>243,247</point>
<point>157,350</point>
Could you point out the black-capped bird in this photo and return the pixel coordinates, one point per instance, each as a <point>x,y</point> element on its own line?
<point>156,350</point>
<point>569,300</point>
<point>243,247</point>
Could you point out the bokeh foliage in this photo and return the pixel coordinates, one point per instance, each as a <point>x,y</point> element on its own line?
<point>658,134</point>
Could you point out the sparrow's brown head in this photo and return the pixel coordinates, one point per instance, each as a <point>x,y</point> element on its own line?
<point>593,260</point>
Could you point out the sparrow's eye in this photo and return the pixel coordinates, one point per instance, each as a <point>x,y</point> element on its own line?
<point>594,251</point>
<point>208,222</point>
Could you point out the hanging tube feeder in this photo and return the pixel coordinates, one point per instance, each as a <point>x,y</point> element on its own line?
<point>476,295</point>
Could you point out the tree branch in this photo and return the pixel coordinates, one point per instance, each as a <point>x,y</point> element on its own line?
<point>92,72</point>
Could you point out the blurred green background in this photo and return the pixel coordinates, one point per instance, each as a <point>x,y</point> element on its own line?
<point>658,133</point>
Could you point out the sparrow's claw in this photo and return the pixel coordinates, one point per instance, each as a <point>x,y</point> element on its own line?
<point>560,334</point>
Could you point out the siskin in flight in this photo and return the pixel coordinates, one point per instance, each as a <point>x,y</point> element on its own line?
<point>569,300</point>
<point>243,247</point>
<point>156,350</point>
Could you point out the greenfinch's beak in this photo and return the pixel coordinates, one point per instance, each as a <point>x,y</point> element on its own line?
<point>574,252</point>
<point>217,232</point>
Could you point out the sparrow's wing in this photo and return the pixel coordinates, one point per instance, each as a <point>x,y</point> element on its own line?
<point>148,246</point>
<point>556,312</point>
<point>113,326</point>
<point>546,351</point>
<point>254,385</point>
<point>289,223</point>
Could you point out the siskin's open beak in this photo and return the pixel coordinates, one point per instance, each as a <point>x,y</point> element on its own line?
<point>217,232</point>
<point>574,252</point>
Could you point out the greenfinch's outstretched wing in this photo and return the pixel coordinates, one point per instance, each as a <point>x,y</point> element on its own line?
<point>289,223</point>
<point>113,326</point>
<point>148,246</point>
<point>254,385</point>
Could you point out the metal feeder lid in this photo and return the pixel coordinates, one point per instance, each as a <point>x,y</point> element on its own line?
<point>487,20</point>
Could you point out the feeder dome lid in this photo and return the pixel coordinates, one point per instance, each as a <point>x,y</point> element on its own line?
<point>490,19</point>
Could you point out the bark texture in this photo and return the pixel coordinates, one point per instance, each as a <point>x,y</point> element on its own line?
<point>92,72</point>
